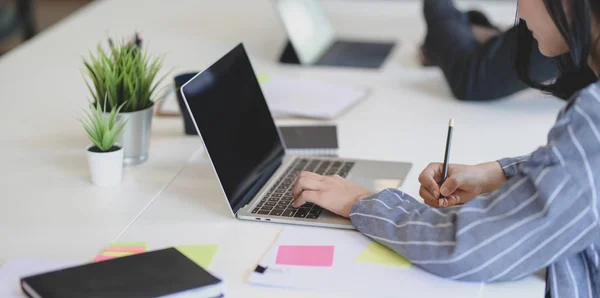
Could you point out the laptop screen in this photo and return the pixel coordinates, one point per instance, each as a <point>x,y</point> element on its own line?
<point>308,28</point>
<point>236,126</point>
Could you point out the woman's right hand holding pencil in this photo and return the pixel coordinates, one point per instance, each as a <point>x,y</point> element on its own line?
<point>464,182</point>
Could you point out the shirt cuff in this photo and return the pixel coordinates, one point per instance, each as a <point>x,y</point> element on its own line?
<point>510,166</point>
<point>381,203</point>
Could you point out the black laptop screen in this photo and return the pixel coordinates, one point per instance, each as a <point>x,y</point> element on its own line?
<point>235,124</point>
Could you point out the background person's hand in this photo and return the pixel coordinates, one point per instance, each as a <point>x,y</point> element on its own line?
<point>464,182</point>
<point>333,193</point>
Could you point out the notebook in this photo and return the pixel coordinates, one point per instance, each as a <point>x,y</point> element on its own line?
<point>310,140</point>
<point>161,273</point>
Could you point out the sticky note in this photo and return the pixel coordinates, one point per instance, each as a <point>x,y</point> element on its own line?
<point>202,255</point>
<point>131,249</point>
<point>134,247</point>
<point>127,244</point>
<point>317,256</point>
<point>376,253</point>
<point>263,78</point>
<point>100,258</point>
<point>117,253</point>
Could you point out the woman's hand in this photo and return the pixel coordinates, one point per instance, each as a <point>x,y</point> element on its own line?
<point>333,193</point>
<point>464,182</point>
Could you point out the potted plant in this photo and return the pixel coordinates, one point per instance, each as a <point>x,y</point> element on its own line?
<point>105,156</point>
<point>127,77</point>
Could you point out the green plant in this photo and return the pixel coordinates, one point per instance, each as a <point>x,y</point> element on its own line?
<point>125,75</point>
<point>102,128</point>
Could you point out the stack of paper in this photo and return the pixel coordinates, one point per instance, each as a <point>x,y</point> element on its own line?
<point>346,262</point>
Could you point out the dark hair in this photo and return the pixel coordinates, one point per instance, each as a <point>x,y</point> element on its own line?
<point>573,71</point>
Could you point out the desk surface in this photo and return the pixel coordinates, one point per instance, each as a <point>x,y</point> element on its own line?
<point>49,209</point>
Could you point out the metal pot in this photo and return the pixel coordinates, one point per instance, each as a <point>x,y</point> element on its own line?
<point>136,136</point>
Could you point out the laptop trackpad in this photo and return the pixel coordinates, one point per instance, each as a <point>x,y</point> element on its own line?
<point>377,176</point>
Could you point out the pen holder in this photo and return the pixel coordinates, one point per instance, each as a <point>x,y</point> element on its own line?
<point>188,124</point>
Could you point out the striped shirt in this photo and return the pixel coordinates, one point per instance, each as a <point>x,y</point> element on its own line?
<point>544,216</point>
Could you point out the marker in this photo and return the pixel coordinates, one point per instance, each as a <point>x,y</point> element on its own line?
<point>446,157</point>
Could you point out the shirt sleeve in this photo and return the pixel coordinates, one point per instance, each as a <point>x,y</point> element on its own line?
<point>545,211</point>
<point>509,165</point>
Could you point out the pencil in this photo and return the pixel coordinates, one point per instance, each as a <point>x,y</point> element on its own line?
<point>446,157</point>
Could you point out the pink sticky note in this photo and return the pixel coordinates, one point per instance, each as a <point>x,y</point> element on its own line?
<point>101,257</point>
<point>318,256</point>
<point>132,249</point>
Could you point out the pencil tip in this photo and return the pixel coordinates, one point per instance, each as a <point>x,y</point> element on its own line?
<point>451,122</point>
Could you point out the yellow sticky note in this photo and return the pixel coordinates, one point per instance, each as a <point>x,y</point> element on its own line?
<point>116,253</point>
<point>263,78</point>
<point>376,253</point>
<point>202,255</point>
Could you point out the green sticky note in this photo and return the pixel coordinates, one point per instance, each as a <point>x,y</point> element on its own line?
<point>376,253</point>
<point>128,244</point>
<point>202,255</point>
<point>116,253</point>
<point>263,78</point>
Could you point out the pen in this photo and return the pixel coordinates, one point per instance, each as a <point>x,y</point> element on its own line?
<point>446,157</point>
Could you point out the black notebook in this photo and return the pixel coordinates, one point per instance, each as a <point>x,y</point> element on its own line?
<point>310,140</point>
<point>162,273</point>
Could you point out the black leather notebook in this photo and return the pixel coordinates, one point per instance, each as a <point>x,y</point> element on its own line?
<point>310,140</point>
<point>153,274</point>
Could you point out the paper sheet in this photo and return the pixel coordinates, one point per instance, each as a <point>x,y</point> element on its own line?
<point>309,98</point>
<point>347,275</point>
<point>170,105</point>
<point>13,270</point>
<point>288,97</point>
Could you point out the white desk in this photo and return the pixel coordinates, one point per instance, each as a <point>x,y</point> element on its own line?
<point>49,209</point>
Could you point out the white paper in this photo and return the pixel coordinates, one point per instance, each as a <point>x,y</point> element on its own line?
<point>348,276</point>
<point>309,98</point>
<point>13,270</point>
<point>296,98</point>
<point>170,104</point>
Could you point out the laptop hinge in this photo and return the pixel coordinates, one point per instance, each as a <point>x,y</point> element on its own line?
<point>257,186</point>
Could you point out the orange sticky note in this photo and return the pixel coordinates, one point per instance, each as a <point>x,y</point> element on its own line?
<point>117,253</point>
<point>131,249</point>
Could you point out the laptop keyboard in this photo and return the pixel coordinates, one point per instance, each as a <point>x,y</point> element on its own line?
<point>278,200</point>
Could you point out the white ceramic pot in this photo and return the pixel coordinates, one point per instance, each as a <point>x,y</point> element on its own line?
<point>106,168</point>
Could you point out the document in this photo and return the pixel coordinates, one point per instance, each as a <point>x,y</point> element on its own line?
<point>309,98</point>
<point>359,267</point>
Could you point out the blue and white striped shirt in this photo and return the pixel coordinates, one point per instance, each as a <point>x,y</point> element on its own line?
<point>544,216</point>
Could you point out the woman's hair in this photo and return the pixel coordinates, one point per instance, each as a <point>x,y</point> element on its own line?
<point>573,71</point>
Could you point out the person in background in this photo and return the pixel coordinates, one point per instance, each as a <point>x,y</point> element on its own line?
<point>474,55</point>
<point>517,215</point>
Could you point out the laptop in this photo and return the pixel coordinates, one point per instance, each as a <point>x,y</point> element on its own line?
<point>248,154</point>
<point>312,39</point>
